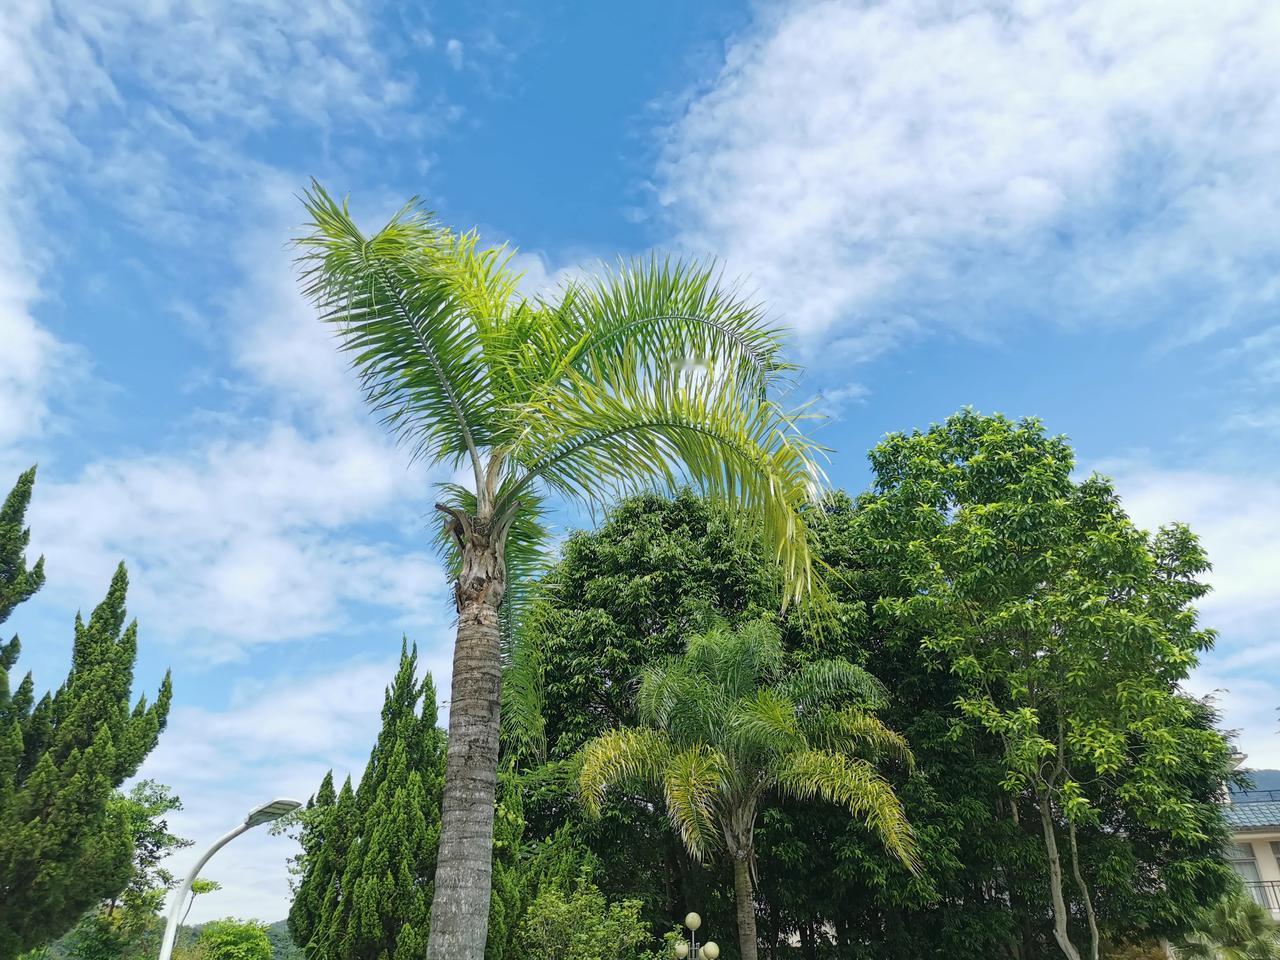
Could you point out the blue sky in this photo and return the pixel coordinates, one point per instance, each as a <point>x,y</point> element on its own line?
<point>1066,209</point>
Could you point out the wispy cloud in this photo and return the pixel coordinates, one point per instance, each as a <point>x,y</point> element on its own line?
<point>876,167</point>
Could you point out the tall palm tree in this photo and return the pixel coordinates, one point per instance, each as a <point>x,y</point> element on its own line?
<point>650,372</point>
<point>1234,928</point>
<point>727,723</point>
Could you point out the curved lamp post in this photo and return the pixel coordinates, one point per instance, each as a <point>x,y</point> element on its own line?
<point>708,951</point>
<point>256,818</point>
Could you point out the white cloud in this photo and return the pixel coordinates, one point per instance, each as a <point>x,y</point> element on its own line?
<point>833,401</point>
<point>1238,520</point>
<point>232,545</point>
<point>453,50</point>
<point>878,166</point>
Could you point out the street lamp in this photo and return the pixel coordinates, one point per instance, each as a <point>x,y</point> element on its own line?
<point>708,951</point>
<point>256,818</point>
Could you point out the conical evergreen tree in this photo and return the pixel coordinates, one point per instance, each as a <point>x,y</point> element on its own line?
<point>367,868</point>
<point>368,855</point>
<point>63,846</point>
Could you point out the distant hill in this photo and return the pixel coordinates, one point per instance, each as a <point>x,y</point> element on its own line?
<point>1263,779</point>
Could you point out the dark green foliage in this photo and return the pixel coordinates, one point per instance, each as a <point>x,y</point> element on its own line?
<point>622,597</point>
<point>65,846</point>
<point>369,853</point>
<point>234,940</point>
<point>619,598</point>
<point>17,581</point>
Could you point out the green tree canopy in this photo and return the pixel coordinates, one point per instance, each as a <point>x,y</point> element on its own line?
<point>232,939</point>
<point>621,597</point>
<point>65,844</point>
<point>1070,630</point>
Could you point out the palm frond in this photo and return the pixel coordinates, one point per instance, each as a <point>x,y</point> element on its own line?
<point>671,314</point>
<point>524,729</point>
<point>396,309</point>
<point>606,437</point>
<point>621,756</point>
<point>855,785</point>
<point>765,724</point>
<point>818,682</point>
<point>857,733</point>
<point>693,781</point>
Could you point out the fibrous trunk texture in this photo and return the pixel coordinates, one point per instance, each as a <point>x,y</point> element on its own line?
<point>460,909</point>
<point>746,908</point>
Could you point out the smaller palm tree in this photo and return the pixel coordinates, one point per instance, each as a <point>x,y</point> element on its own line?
<point>727,723</point>
<point>1234,928</point>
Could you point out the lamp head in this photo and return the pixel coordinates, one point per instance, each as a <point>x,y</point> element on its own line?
<point>270,811</point>
<point>710,950</point>
<point>693,921</point>
<point>682,950</point>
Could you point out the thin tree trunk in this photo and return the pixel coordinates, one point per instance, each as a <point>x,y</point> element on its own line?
<point>464,865</point>
<point>1094,945</point>
<point>1060,931</point>
<point>746,907</point>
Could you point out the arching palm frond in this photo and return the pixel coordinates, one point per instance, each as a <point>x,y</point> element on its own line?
<point>693,782</point>
<point>765,725</point>
<point>663,688</point>
<point>855,785</point>
<point>597,440</point>
<point>620,756</point>
<point>857,733</point>
<point>1234,928</point>
<point>672,314</point>
<point>748,656</point>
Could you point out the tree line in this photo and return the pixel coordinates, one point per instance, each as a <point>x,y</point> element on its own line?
<point>982,749</point>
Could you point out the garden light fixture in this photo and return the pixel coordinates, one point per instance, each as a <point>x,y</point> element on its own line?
<point>256,817</point>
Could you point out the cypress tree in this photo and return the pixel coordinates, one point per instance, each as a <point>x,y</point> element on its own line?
<point>368,854</point>
<point>64,846</point>
<point>367,868</point>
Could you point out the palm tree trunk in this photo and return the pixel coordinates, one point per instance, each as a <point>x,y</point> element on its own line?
<point>464,865</point>
<point>746,908</point>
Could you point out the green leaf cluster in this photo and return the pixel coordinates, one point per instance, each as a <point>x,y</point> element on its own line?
<point>66,844</point>
<point>232,939</point>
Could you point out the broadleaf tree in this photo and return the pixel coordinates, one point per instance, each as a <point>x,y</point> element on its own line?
<point>1070,630</point>
<point>65,840</point>
<point>731,722</point>
<point>651,372</point>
